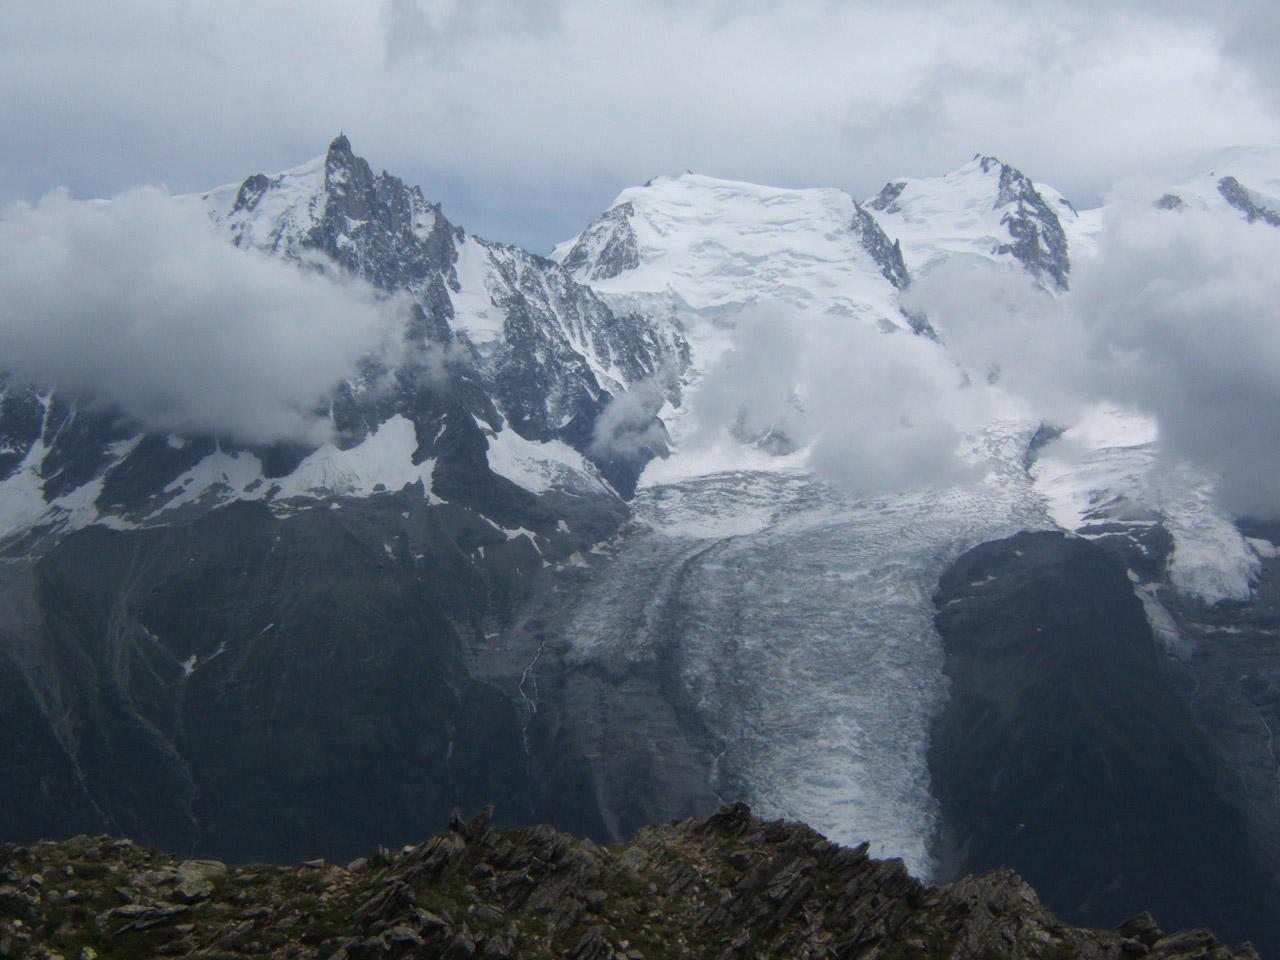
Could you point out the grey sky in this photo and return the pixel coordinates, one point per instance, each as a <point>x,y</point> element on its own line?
<point>526,117</point>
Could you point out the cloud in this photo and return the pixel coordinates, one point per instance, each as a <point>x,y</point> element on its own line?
<point>444,28</point>
<point>890,411</point>
<point>139,303</point>
<point>1184,310</point>
<point>1178,315</point>
<point>875,412</point>
<point>629,427</point>
<point>1005,330</point>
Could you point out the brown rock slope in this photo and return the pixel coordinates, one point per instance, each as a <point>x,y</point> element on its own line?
<point>732,886</point>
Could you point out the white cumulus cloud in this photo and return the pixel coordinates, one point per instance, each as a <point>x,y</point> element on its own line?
<point>139,304</point>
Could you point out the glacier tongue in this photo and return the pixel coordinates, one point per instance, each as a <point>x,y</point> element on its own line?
<point>803,626</point>
<point>798,619</point>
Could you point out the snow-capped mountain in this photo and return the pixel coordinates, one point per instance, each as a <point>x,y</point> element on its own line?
<point>986,209</point>
<point>1247,179</point>
<point>710,252</point>
<point>498,345</point>
<point>705,249</point>
<point>547,351</point>
<point>599,541</point>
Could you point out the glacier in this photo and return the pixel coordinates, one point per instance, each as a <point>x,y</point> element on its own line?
<point>795,607</point>
<point>804,630</point>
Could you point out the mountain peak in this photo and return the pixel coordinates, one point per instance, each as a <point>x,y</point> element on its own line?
<point>1008,217</point>
<point>707,240</point>
<point>344,170</point>
<point>340,144</point>
<point>987,162</point>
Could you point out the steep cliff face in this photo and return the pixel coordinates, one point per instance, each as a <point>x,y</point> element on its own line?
<point>1065,722</point>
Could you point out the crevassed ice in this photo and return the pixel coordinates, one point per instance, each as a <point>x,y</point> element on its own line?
<point>806,638</point>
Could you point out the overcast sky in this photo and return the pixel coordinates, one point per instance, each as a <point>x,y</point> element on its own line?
<point>526,117</point>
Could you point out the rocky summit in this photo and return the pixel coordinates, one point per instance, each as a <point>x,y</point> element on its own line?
<point>730,886</point>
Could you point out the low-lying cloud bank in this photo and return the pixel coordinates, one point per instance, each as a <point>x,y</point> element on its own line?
<point>876,412</point>
<point>137,302</point>
<point>1184,312</point>
<point>1178,316</point>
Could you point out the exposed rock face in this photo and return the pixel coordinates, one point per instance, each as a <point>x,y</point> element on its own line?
<point>886,253</point>
<point>607,246</point>
<point>885,200</point>
<point>732,886</point>
<point>1247,202</point>
<point>1039,242</point>
<point>1065,722</point>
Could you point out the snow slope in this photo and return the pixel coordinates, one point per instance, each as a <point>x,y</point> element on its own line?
<point>703,249</point>
<point>973,212</point>
<point>721,244</point>
<point>706,250</point>
<point>1243,179</point>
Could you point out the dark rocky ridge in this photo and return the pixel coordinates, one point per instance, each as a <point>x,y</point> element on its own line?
<point>1068,751</point>
<point>732,886</point>
<point>1236,194</point>
<point>239,685</point>
<point>611,235</point>
<point>1039,242</point>
<point>886,253</point>
<point>886,199</point>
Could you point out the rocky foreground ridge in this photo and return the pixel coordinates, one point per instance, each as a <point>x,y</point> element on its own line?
<point>730,886</point>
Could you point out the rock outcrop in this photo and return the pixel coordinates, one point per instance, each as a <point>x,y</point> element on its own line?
<point>730,886</point>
